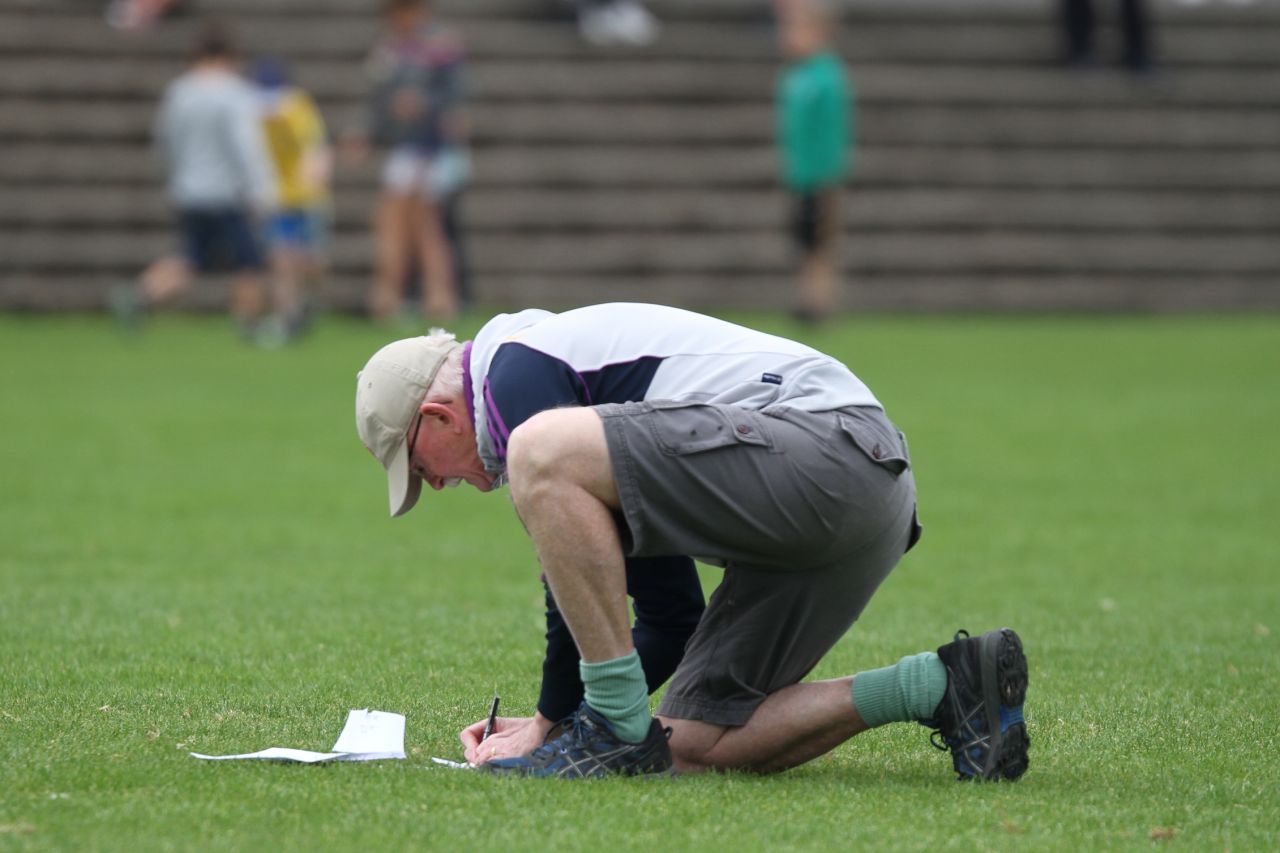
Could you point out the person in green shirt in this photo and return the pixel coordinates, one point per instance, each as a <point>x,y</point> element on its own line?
<point>815,120</point>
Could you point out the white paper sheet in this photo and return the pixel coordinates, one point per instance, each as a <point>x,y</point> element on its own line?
<point>276,753</point>
<point>367,736</point>
<point>372,733</point>
<point>456,765</point>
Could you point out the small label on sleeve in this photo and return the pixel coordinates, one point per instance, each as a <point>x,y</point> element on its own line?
<point>772,378</point>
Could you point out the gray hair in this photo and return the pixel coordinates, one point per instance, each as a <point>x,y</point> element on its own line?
<point>448,382</point>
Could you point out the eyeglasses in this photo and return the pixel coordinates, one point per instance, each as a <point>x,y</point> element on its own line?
<point>413,439</point>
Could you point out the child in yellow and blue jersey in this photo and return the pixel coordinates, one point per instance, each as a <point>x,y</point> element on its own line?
<point>299,147</point>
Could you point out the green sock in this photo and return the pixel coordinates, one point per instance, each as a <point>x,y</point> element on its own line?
<point>617,689</point>
<point>909,690</point>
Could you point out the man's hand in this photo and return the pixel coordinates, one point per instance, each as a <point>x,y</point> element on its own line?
<point>511,738</point>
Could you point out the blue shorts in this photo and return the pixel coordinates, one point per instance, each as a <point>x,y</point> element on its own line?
<point>293,227</point>
<point>219,239</point>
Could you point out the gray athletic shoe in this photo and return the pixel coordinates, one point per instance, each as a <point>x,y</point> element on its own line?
<point>980,716</point>
<point>588,749</point>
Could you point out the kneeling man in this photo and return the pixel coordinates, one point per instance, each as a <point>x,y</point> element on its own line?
<point>635,437</point>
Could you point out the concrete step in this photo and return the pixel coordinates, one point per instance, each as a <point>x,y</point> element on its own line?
<point>909,292</point>
<point>866,210</point>
<point>124,251</point>
<point>992,125</point>
<point>308,40</point>
<point>563,167</point>
<point>633,81</point>
<point>939,11</point>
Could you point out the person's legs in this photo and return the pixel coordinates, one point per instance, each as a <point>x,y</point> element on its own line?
<point>836,518</point>
<point>289,265</point>
<point>440,295</point>
<point>794,725</point>
<point>165,278</point>
<point>735,701</point>
<point>392,244</point>
<point>562,486</point>
<point>803,721</point>
<point>666,597</point>
<point>170,275</point>
<point>818,268</point>
<point>240,244</point>
<point>394,225</point>
<point>667,600</point>
<point>290,262</point>
<point>971,692</point>
<point>248,298</point>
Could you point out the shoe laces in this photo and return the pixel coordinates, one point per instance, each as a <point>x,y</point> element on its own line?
<point>937,738</point>
<point>575,729</point>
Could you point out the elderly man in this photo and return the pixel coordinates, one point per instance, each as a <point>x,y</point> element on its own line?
<point>636,436</point>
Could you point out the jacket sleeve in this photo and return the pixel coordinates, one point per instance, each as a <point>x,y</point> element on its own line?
<point>520,383</point>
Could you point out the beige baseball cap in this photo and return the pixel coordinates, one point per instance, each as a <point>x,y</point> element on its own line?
<point>389,391</point>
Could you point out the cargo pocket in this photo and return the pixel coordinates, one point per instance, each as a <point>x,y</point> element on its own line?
<point>684,428</point>
<point>878,439</point>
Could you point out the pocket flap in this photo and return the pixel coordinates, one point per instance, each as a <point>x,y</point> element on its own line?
<point>878,439</point>
<point>697,427</point>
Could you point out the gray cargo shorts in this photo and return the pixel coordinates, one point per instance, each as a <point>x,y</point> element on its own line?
<point>807,513</point>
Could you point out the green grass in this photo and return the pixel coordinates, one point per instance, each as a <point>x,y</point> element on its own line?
<point>195,555</point>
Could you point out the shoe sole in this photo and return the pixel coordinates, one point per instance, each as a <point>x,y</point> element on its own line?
<point>1004,683</point>
<point>524,772</point>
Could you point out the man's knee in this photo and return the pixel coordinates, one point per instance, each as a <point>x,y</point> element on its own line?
<point>532,453</point>
<point>692,744</point>
<point>559,448</point>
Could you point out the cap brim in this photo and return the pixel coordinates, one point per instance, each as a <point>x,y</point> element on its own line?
<point>403,486</point>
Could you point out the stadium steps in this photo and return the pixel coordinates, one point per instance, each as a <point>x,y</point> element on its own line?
<point>986,177</point>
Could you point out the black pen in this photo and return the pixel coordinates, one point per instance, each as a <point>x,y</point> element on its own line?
<point>493,716</point>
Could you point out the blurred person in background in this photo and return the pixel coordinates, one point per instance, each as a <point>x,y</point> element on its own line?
<point>220,182</point>
<point>814,123</point>
<point>140,15</point>
<point>1079,23</point>
<point>415,110</point>
<point>616,22</point>
<point>295,232</point>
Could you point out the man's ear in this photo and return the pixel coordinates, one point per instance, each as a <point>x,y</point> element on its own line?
<point>442,412</point>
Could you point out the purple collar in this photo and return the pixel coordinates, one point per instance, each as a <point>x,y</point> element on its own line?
<point>467,390</point>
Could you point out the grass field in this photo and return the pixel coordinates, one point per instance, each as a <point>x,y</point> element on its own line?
<point>195,555</point>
